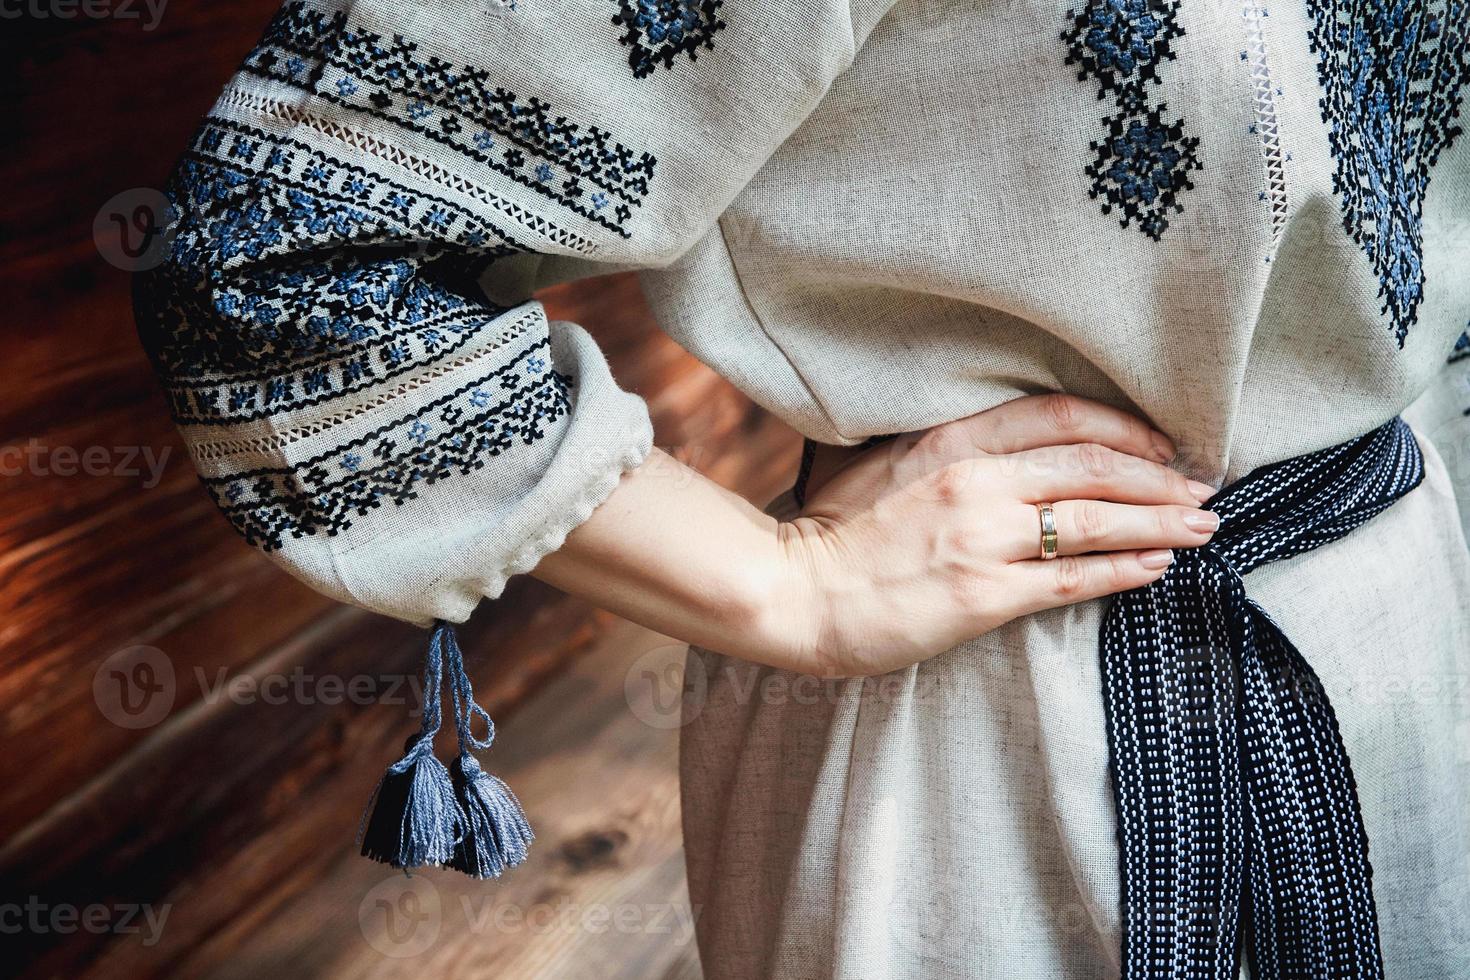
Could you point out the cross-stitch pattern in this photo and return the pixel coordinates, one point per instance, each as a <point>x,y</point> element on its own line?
<point>299,281</point>
<point>1393,78</point>
<point>658,31</point>
<point>583,168</point>
<point>287,335</point>
<point>1143,163</point>
<point>456,433</point>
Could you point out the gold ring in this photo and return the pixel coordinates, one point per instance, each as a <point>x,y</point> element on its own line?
<point>1048,531</point>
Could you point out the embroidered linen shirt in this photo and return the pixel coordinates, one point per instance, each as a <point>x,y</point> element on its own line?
<point>1246,224</point>
<point>1167,207</point>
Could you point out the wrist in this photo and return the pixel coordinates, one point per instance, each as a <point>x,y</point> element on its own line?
<point>798,613</point>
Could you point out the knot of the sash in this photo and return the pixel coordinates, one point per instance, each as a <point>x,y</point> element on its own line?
<point>1235,796</point>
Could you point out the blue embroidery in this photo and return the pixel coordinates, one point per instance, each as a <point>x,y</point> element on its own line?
<point>1393,75</point>
<point>1143,163</point>
<point>1462,353</point>
<point>661,30</point>
<point>294,279</point>
<point>459,107</point>
<point>454,434</point>
<point>282,335</point>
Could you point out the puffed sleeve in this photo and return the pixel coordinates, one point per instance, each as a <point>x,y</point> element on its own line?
<point>343,324</point>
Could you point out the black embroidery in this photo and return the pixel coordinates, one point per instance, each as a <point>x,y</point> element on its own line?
<point>294,280</point>
<point>1143,163</point>
<point>1460,354</point>
<point>661,30</point>
<point>580,167</point>
<point>454,434</point>
<point>1393,75</point>
<point>286,330</point>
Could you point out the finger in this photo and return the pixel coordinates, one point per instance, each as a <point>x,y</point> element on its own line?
<point>1061,420</point>
<point>1063,581</point>
<point>1094,472</point>
<point>1085,526</point>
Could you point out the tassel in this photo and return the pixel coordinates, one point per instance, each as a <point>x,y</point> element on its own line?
<point>496,834</point>
<point>414,818</point>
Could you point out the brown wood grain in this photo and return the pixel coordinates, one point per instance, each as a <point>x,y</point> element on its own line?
<point>238,814</point>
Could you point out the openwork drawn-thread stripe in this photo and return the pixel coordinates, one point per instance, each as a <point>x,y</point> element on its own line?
<point>382,149</point>
<point>1266,124</point>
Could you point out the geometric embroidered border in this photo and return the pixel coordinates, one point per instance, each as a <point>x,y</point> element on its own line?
<point>658,31</point>
<point>286,332</point>
<point>580,167</point>
<point>453,434</point>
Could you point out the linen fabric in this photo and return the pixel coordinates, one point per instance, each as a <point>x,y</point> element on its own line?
<point>1246,225</point>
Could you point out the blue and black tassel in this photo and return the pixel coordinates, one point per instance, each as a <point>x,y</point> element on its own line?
<point>423,814</point>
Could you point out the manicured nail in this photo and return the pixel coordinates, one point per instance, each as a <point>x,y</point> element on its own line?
<point>1201,520</point>
<point>1201,491</point>
<point>1161,558</point>
<point>1163,447</point>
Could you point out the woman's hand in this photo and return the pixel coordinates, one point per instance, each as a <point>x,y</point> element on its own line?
<point>919,544</point>
<point>902,551</point>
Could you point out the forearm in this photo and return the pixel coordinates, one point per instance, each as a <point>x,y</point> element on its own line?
<point>902,551</point>
<point>674,551</point>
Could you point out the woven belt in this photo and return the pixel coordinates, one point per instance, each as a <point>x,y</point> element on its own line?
<point>1233,787</point>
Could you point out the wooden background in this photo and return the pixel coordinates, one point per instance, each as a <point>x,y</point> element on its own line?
<point>231,819</point>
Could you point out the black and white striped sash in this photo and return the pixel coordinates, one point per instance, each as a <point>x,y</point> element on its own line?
<point>1233,787</point>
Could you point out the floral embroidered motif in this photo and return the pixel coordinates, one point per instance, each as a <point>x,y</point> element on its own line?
<point>277,336</point>
<point>1143,163</point>
<point>1393,76</point>
<point>458,107</point>
<point>454,434</point>
<point>318,294</point>
<point>660,30</point>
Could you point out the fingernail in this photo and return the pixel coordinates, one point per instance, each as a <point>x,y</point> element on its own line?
<point>1201,520</point>
<point>1161,558</point>
<point>1201,491</point>
<point>1163,447</point>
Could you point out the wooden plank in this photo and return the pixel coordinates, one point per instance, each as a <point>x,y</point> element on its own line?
<point>602,896</point>
<point>245,760</point>
<point>236,814</point>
